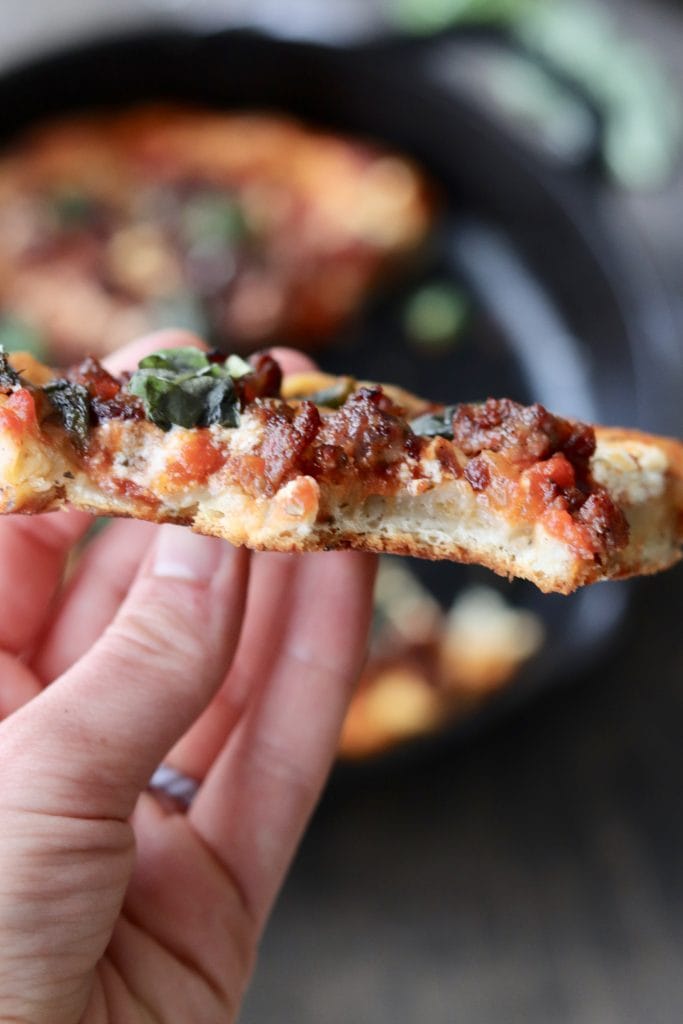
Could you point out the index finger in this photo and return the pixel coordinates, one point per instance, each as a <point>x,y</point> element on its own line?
<point>130,355</point>
<point>259,793</point>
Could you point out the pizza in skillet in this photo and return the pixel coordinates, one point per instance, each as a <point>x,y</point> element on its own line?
<point>241,226</point>
<point>428,667</point>
<point>314,462</point>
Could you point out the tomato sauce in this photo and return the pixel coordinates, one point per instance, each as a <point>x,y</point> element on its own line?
<point>197,459</point>
<point>18,415</point>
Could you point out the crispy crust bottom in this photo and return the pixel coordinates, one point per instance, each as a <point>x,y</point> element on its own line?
<point>636,562</point>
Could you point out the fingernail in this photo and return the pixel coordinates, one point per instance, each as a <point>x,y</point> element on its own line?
<point>183,555</point>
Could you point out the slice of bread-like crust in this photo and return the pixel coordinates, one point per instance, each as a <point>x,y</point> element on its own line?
<point>132,468</point>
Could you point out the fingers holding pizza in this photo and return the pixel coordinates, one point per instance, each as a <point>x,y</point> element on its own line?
<point>107,567</point>
<point>34,550</point>
<point>104,571</point>
<point>141,895</point>
<point>244,680</point>
<point>272,454</point>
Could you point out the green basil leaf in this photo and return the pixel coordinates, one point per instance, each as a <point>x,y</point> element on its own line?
<point>175,360</point>
<point>221,405</point>
<point>186,400</point>
<point>238,367</point>
<point>72,403</point>
<point>9,378</point>
<point>435,424</point>
<point>164,401</point>
<point>216,370</point>
<point>183,402</point>
<point>334,396</point>
<point>182,387</point>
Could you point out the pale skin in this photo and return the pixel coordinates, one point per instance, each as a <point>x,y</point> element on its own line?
<point>163,646</point>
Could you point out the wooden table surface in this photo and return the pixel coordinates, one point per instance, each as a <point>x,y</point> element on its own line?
<point>533,876</point>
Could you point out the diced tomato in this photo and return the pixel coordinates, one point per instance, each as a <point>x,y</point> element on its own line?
<point>577,536</point>
<point>548,481</point>
<point>18,414</point>
<point>560,470</point>
<point>196,460</point>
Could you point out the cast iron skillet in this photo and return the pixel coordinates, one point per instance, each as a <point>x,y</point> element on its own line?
<point>567,309</point>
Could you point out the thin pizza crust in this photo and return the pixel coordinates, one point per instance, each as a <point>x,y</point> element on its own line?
<point>428,513</point>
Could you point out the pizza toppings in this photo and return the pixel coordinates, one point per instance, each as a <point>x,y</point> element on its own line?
<point>605,522</point>
<point>70,402</point>
<point>436,423</point>
<point>181,387</point>
<point>288,435</point>
<point>198,458</point>
<point>503,441</point>
<point>188,388</point>
<point>108,399</point>
<point>18,414</point>
<point>9,378</point>
<point>520,461</point>
<point>334,396</point>
<point>369,431</point>
<point>525,433</point>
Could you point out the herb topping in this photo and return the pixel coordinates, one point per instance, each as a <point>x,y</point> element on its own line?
<point>9,378</point>
<point>435,424</point>
<point>182,386</point>
<point>72,402</point>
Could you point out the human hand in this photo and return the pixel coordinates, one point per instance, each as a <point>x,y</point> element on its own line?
<point>234,669</point>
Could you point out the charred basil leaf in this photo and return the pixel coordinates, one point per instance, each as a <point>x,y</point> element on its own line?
<point>9,378</point>
<point>72,403</point>
<point>435,424</point>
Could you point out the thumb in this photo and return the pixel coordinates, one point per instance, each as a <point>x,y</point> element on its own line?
<point>94,737</point>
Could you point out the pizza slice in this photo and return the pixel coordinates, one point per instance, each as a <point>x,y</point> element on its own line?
<point>314,462</point>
